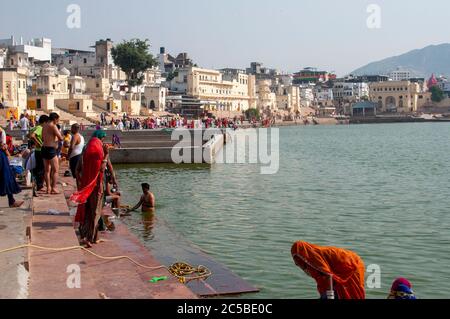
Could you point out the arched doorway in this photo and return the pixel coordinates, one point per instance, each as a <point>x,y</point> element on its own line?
<point>391,104</point>
<point>152,104</point>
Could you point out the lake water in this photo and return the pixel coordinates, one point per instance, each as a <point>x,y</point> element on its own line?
<point>379,190</point>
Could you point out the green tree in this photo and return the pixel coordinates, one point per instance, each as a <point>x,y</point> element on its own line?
<point>436,94</point>
<point>172,75</point>
<point>252,113</point>
<point>134,58</point>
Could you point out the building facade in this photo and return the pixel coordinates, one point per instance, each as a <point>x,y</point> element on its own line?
<point>39,49</point>
<point>398,96</point>
<point>400,75</point>
<point>154,98</point>
<point>228,91</point>
<point>13,88</point>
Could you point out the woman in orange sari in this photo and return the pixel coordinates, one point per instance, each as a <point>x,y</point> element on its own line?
<point>337,271</point>
<point>89,197</point>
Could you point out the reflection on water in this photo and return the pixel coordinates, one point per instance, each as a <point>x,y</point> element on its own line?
<point>379,190</point>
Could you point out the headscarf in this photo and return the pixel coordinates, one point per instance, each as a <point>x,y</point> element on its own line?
<point>401,289</point>
<point>99,134</point>
<point>346,268</point>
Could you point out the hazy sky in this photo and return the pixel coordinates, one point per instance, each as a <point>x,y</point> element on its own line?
<point>283,34</point>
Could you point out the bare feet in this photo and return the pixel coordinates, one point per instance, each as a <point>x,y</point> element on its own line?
<point>17,204</point>
<point>86,243</point>
<point>55,192</point>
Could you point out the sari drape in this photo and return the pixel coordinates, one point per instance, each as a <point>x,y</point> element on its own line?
<point>346,267</point>
<point>89,197</point>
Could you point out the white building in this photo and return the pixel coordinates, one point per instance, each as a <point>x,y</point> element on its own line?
<point>400,75</point>
<point>306,96</point>
<point>323,95</point>
<point>37,49</point>
<point>154,98</point>
<point>350,91</point>
<point>229,90</point>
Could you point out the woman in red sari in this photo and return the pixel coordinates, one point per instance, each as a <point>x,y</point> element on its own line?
<point>89,197</point>
<point>336,271</point>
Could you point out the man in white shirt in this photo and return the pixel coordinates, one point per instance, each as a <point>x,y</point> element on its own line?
<point>120,126</point>
<point>24,124</point>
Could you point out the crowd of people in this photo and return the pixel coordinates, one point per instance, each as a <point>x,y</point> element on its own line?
<point>46,147</point>
<point>128,123</point>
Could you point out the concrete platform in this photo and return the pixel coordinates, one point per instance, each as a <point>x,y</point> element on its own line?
<point>119,279</point>
<point>14,264</point>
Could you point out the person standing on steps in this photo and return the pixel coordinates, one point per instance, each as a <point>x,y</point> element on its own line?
<point>36,137</point>
<point>75,148</point>
<point>51,136</point>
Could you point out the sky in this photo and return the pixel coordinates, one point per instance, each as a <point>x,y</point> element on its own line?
<point>287,35</point>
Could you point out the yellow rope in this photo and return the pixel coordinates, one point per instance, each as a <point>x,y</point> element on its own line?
<point>178,270</point>
<point>184,272</point>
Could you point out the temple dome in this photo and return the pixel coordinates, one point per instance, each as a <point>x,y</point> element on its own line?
<point>64,71</point>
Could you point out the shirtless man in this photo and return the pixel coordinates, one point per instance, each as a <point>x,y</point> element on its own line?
<point>51,136</point>
<point>147,200</point>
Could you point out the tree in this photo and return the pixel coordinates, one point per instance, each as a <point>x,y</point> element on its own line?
<point>172,75</point>
<point>436,94</point>
<point>252,113</point>
<point>134,58</point>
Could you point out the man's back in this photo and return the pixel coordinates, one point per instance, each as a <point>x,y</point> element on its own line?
<point>24,123</point>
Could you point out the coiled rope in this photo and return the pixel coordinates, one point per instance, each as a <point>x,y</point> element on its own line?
<point>182,271</point>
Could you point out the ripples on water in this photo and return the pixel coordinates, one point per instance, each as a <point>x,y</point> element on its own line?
<point>380,190</point>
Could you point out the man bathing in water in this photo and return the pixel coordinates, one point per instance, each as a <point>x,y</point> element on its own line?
<point>51,136</point>
<point>147,200</point>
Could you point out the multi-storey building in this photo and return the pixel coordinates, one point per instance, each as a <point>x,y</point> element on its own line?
<point>312,75</point>
<point>400,75</point>
<point>399,96</point>
<point>168,64</point>
<point>13,88</point>
<point>36,49</point>
<point>350,91</point>
<point>232,91</point>
<point>323,95</point>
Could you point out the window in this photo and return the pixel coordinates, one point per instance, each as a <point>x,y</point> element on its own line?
<point>85,61</point>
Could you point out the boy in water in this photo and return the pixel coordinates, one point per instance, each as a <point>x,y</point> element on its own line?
<point>147,200</point>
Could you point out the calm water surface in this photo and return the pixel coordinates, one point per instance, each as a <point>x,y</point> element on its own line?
<point>379,190</point>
